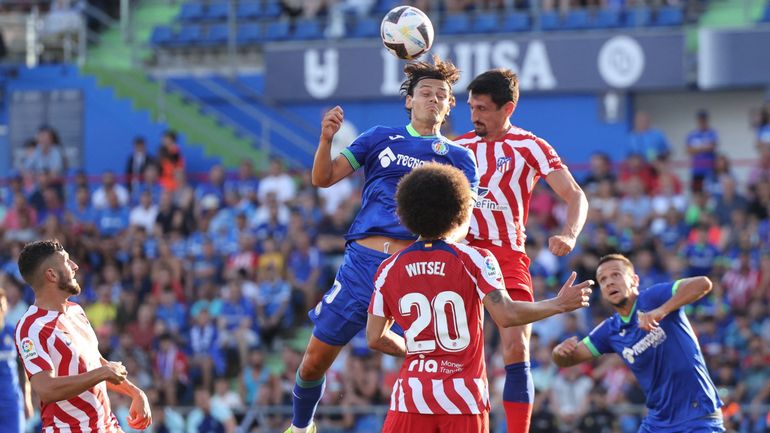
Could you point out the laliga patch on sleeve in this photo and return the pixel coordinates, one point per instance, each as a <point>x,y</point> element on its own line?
<point>28,350</point>
<point>490,267</point>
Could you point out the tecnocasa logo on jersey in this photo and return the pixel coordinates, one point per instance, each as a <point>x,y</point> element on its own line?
<point>387,157</point>
<point>653,339</point>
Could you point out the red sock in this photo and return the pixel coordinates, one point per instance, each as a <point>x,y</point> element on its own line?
<point>517,416</point>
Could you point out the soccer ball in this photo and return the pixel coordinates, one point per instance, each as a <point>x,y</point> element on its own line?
<point>406,32</point>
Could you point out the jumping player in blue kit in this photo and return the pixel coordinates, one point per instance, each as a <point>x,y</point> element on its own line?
<point>15,397</point>
<point>652,335</point>
<point>386,154</point>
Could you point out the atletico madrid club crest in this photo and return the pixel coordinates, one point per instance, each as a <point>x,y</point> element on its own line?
<point>503,164</point>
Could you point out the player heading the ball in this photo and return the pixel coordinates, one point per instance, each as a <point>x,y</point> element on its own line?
<point>386,154</point>
<point>434,289</point>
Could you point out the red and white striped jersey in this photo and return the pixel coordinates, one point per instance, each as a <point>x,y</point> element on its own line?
<point>508,170</point>
<point>433,290</point>
<point>65,343</point>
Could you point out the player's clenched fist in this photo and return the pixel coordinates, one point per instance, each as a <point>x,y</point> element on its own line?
<point>331,122</point>
<point>566,347</point>
<point>116,372</point>
<point>571,297</point>
<point>561,245</point>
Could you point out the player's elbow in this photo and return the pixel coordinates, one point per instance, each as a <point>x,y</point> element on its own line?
<point>705,284</point>
<point>373,339</point>
<point>318,182</point>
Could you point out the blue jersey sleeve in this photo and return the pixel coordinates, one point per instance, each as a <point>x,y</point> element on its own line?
<point>657,295</point>
<point>357,151</point>
<point>598,341</point>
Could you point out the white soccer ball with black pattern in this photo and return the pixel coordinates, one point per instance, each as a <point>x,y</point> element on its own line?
<point>406,32</point>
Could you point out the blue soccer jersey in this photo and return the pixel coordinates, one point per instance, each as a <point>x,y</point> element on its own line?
<point>11,403</point>
<point>387,154</point>
<point>667,362</point>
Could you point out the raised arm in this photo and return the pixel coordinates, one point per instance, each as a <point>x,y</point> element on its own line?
<point>568,190</point>
<point>381,338</point>
<point>326,172</point>
<point>506,312</point>
<point>52,388</point>
<point>685,291</point>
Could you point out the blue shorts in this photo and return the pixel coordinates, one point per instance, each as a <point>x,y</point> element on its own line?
<point>342,312</point>
<point>708,424</point>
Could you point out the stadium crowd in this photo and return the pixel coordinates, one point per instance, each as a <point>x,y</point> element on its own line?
<point>200,284</point>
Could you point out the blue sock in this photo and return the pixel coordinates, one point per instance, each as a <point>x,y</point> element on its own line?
<point>305,399</point>
<point>518,397</point>
<point>519,387</point>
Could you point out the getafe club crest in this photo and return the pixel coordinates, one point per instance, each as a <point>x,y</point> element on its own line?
<point>440,148</point>
<point>503,164</point>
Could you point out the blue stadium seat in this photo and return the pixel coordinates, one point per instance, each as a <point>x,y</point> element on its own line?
<point>515,22</point>
<point>162,35</point>
<point>384,6</point>
<point>366,28</point>
<point>576,19</point>
<point>607,18</point>
<point>549,21</point>
<point>638,16</point>
<point>217,11</point>
<point>486,22</point>
<point>217,35</point>
<point>306,29</point>
<point>191,11</point>
<point>272,9</point>
<point>249,34</point>
<point>455,24</point>
<point>766,16</point>
<point>669,16</point>
<point>190,34</point>
<point>249,10</point>
<point>277,31</point>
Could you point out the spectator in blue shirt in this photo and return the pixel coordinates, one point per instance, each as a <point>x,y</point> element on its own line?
<point>273,304</point>
<point>646,140</point>
<point>304,268</point>
<point>700,255</point>
<point>113,219</point>
<point>701,145</point>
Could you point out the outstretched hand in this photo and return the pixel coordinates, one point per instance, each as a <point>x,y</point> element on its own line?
<point>571,297</point>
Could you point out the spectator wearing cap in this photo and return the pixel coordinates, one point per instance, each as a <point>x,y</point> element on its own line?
<point>701,146</point>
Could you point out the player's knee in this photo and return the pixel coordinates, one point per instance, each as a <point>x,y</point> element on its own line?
<point>311,371</point>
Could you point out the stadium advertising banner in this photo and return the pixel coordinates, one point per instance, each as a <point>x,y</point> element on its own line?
<point>728,58</point>
<point>593,62</point>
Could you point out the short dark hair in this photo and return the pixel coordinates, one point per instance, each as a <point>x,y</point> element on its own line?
<point>169,133</point>
<point>443,70</point>
<point>502,85</point>
<point>618,257</point>
<point>33,255</point>
<point>434,199</point>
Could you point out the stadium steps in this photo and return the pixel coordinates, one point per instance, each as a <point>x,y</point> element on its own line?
<point>114,64</point>
<point>200,130</point>
<point>114,52</point>
<point>235,104</point>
